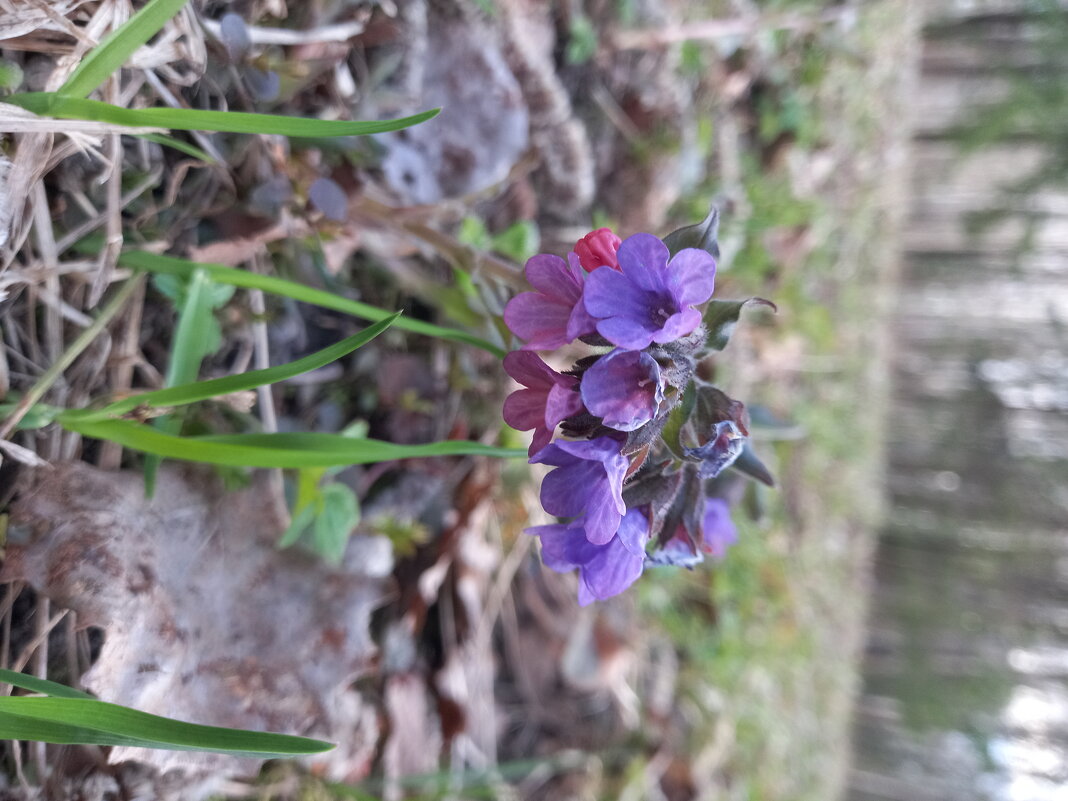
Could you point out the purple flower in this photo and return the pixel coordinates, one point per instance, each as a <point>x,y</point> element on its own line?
<point>554,315</point>
<point>650,299</point>
<point>604,570</point>
<point>723,447</point>
<point>718,530</point>
<point>548,399</point>
<point>624,388</point>
<point>588,480</point>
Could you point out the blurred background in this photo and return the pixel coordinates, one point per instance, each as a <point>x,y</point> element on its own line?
<point>964,692</point>
<point>893,622</point>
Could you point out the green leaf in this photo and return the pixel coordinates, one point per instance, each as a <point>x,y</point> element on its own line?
<point>203,390</point>
<point>519,241</point>
<point>38,416</point>
<point>750,465</point>
<point>10,74</point>
<point>336,519</point>
<point>181,119</point>
<point>196,336</point>
<point>34,684</point>
<point>702,235</point>
<point>680,415</point>
<point>275,450</point>
<point>179,145</point>
<point>108,56</point>
<point>721,316</point>
<point>92,722</point>
<point>151,262</point>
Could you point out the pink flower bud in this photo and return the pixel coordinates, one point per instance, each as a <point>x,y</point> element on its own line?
<point>598,249</point>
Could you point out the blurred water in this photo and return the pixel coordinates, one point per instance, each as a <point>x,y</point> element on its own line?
<point>966,679</point>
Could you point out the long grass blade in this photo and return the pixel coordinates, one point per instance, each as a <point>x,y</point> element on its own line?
<point>51,104</point>
<point>92,722</point>
<point>274,450</point>
<point>203,390</point>
<point>100,62</point>
<point>151,262</point>
<point>36,685</point>
<point>196,336</point>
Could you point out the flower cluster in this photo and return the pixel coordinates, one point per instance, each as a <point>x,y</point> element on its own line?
<point>634,476</point>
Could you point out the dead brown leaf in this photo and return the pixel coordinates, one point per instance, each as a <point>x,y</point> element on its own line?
<point>205,620</point>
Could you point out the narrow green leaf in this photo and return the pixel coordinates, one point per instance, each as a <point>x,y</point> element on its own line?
<point>196,336</point>
<point>182,119</point>
<point>721,316</point>
<point>749,464</point>
<point>178,144</point>
<point>672,434</point>
<point>151,262</point>
<point>203,390</point>
<point>275,450</point>
<point>92,722</point>
<point>34,684</point>
<point>108,56</point>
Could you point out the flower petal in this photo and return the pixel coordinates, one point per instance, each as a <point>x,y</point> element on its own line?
<point>561,404</point>
<point>643,259</point>
<point>633,531</point>
<point>566,491</point>
<point>563,546</point>
<point>542,437</point>
<point>524,409</point>
<point>555,278</point>
<point>609,293</point>
<point>602,514</point>
<point>692,276</point>
<point>611,571</point>
<point>626,333</point>
<point>529,370</point>
<point>538,320</point>
<point>678,325</point>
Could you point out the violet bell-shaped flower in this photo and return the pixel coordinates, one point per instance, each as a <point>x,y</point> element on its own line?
<point>650,298</point>
<point>549,398</point>
<point>624,388</point>
<point>554,315</point>
<point>588,480</point>
<point>604,570</point>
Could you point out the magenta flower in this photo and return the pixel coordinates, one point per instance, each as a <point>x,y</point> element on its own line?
<point>650,299</point>
<point>624,388</point>
<point>553,315</point>
<point>718,530</point>
<point>604,570</point>
<point>549,397</point>
<point>588,480</point>
<point>598,249</point>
